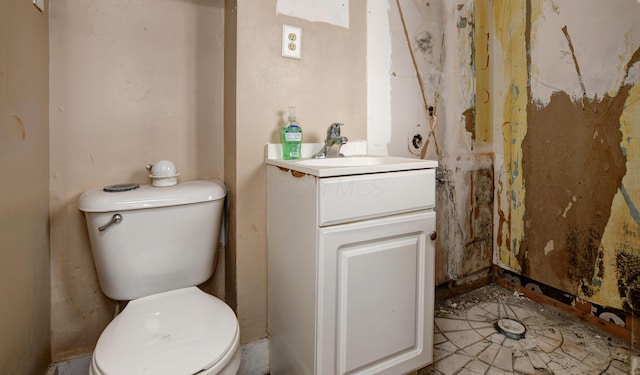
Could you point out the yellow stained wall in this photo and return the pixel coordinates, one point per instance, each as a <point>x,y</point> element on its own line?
<point>521,49</point>
<point>24,188</point>
<point>622,233</point>
<point>482,37</point>
<point>509,93</point>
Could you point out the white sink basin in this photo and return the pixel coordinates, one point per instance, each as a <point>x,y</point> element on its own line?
<point>353,165</point>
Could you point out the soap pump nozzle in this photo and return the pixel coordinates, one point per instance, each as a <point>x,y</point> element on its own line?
<point>292,115</point>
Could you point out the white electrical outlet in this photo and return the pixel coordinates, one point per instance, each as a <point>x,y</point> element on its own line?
<point>291,41</point>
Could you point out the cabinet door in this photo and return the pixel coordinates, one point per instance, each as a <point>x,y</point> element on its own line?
<point>375,296</point>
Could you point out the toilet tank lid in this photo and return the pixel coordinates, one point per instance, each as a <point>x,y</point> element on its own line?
<point>147,196</point>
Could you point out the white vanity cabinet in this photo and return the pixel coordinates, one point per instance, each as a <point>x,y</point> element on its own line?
<point>351,271</point>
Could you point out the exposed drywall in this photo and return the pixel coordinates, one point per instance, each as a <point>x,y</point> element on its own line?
<point>478,247</point>
<point>378,78</point>
<point>334,12</point>
<point>24,202</point>
<point>422,103</point>
<point>416,77</point>
<point>132,83</point>
<point>569,201</point>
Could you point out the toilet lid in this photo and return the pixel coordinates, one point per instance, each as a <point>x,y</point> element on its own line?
<point>178,332</point>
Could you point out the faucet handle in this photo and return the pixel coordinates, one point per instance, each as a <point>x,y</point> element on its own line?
<point>334,130</point>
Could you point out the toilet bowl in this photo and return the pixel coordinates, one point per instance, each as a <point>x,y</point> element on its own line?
<point>152,245</point>
<point>184,331</point>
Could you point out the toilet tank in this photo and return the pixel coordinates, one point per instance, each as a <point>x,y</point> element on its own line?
<point>166,239</point>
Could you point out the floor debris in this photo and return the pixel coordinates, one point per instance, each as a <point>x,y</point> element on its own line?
<point>467,342</point>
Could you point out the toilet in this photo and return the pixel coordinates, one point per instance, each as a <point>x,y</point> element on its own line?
<point>152,246</point>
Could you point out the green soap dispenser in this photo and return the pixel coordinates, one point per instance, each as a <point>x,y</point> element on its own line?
<point>291,137</point>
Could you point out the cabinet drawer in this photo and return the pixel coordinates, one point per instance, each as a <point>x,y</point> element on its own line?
<point>351,198</point>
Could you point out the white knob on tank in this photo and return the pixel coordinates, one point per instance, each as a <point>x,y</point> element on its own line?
<point>163,173</point>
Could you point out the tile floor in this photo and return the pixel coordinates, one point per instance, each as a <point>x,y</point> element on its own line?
<point>466,342</point>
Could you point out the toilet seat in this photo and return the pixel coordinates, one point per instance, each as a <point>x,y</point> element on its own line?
<point>183,331</point>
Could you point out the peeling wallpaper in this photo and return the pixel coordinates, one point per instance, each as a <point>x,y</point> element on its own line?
<point>334,12</point>
<point>621,239</point>
<point>536,116</point>
<point>601,51</point>
<point>508,89</point>
<point>568,194</point>
<point>422,103</point>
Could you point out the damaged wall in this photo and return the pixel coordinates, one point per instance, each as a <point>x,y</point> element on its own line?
<point>535,129</point>
<point>565,108</point>
<point>421,62</point>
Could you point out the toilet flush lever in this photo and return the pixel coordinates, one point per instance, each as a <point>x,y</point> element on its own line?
<point>114,220</point>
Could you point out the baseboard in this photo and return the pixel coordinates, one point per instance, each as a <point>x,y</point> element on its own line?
<point>613,321</point>
<point>255,358</point>
<point>255,361</point>
<point>75,366</point>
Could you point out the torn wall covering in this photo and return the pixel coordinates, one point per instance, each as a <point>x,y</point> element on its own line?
<point>568,190</point>
<point>432,65</point>
<point>537,132</point>
<point>465,177</point>
<point>333,12</point>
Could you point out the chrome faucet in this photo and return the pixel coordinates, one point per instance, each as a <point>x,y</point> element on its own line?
<point>332,143</point>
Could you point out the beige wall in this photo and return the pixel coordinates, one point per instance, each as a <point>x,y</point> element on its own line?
<point>24,202</point>
<point>135,82</point>
<point>327,85</point>
<point>132,83</point>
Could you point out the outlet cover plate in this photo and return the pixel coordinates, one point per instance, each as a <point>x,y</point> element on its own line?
<point>291,42</point>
